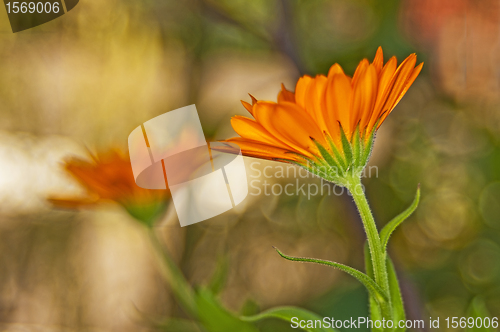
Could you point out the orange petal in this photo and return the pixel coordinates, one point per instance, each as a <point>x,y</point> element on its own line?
<point>291,124</point>
<point>359,69</point>
<point>286,95</point>
<point>93,178</point>
<point>250,129</point>
<point>259,150</point>
<point>400,77</point>
<point>338,101</point>
<point>408,83</point>
<point>364,96</point>
<point>378,61</point>
<point>73,203</point>
<point>315,102</point>
<point>385,83</point>
<point>335,69</point>
<point>254,100</point>
<point>309,94</point>
<point>301,90</point>
<point>403,72</point>
<point>247,106</point>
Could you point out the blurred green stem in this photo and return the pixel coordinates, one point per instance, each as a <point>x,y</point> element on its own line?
<point>171,272</point>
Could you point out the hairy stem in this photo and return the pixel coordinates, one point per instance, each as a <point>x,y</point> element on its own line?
<point>376,250</point>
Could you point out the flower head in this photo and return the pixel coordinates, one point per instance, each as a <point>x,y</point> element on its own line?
<point>328,124</point>
<point>109,177</point>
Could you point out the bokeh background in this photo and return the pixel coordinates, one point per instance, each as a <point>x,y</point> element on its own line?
<point>86,80</point>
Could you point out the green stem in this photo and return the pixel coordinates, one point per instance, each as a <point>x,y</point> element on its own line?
<point>374,244</point>
<point>180,287</point>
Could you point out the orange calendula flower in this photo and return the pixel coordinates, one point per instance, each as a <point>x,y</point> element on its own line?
<point>109,177</point>
<point>328,124</point>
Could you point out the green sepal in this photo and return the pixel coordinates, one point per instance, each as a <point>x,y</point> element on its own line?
<point>346,146</point>
<point>315,171</point>
<point>286,314</point>
<point>391,225</point>
<point>146,213</point>
<point>326,155</point>
<point>367,150</point>
<point>342,162</point>
<point>373,288</point>
<point>357,147</point>
<point>316,163</point>
<point>304,166</point>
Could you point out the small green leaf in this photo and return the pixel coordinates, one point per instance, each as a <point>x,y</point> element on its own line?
<point>219,276</point>
<point>398,310</point>
<point>287,314</point>
<point>368,262</point>
<point>373,288</point>
<point>375,312</point>
<point>249,308</point>
<point>215,318</point>
<point>391,225</point>
<point>477,309</point>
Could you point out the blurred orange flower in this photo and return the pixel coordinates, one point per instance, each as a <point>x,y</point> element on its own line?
<point>109,177</point>
<point>329,120</point>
